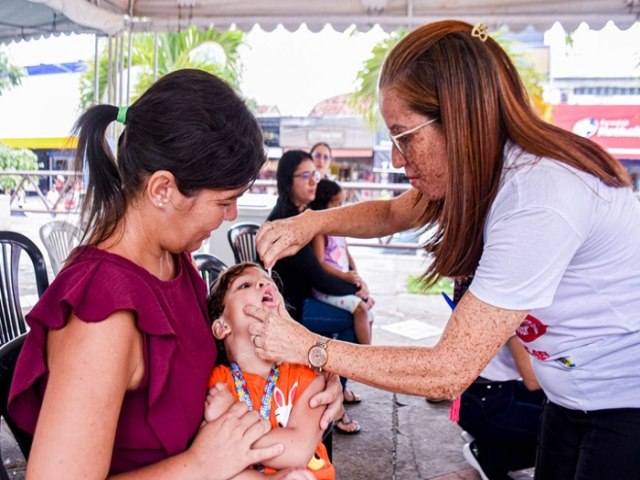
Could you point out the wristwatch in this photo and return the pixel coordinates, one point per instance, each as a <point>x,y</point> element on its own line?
<point>318,354</point>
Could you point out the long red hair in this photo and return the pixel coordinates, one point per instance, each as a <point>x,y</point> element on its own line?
<point>474,89</point>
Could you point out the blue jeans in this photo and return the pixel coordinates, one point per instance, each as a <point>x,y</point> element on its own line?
<point>329,321</point>
<point>577,445</point>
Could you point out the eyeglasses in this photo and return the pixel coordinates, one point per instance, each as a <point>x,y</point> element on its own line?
<point>307,175</point>
<point>395,138</point>
<point>321,156</point>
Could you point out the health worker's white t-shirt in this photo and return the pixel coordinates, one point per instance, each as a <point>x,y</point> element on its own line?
<point>565,246</point>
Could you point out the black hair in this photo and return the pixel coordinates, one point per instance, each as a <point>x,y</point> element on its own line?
<point>189,123</point>
<point>284,178</point>
<point>217,292</point>
<point>325,191</point>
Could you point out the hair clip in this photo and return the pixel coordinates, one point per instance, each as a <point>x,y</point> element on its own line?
<point>480,31</point>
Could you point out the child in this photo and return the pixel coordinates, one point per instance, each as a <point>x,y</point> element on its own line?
<point>333,254</point>
<point>280,392</point>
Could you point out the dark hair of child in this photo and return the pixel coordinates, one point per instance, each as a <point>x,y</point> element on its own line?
<point>215,300</point>
<point>325,191</point>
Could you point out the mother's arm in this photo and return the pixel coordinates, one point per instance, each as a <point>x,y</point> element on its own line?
<point>91,366</point>
<point>374,218</point>
<point>474,334</point>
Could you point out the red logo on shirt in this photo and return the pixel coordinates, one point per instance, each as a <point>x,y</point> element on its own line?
<point>530,329</point>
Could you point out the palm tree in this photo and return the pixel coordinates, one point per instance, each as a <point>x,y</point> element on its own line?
<point>365,98</point>
<point>10,75</point>
<point>212,51</point>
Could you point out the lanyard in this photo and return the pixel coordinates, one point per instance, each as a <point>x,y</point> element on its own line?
<point>243,392</point>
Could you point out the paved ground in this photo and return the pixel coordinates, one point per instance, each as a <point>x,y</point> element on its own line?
<point>402,437</point>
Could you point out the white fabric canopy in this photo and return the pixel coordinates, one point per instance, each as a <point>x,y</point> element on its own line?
<point>389,14</point>
<point>173,15</point>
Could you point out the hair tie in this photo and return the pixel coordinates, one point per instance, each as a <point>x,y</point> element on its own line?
<point>122,115</point>
<point>480,31</point>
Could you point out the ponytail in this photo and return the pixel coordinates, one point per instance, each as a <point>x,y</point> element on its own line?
<point>104,202</point>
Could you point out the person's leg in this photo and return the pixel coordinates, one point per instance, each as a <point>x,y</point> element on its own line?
<point>611,444</point>
<point>325,319</point>
<point>559,444</point>
<point>582,445</point>
<point>505,429</point>
<point>362,324</point>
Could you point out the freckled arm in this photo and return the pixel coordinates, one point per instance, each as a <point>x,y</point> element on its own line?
<point>474,334</point>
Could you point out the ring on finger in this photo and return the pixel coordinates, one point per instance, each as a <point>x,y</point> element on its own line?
<point>253,340</point>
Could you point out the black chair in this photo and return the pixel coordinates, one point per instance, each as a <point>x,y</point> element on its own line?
<point>242,238</point>
<point>12,245</point>
<point>8,357</point>
<point>209,267</point>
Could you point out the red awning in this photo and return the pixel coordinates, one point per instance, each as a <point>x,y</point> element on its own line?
<point>614,127</point>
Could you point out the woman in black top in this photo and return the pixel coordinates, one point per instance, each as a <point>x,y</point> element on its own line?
<point>297,180</point>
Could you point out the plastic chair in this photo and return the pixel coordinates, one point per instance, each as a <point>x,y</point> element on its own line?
<point>12,245</point>
<point>8,357</point>
<point>59,238</point>
<point>242,238</point>
<point>209,267</point>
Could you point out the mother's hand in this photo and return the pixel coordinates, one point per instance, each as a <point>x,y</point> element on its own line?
<point>281,238</point>
<point>277,337</point>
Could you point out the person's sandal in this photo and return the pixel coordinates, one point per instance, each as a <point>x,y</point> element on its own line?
<point>346,426</point>
<point>349,397</point>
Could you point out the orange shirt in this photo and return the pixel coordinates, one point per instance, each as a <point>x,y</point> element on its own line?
<point>293,380</point>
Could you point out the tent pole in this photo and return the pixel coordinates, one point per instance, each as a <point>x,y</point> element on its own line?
<point>129,65</point>
<point>121,71</point>
<point>109,71</point>
<point>155,56</point>
<point>96,70</point>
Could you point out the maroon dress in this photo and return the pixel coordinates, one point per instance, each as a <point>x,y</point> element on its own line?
<point>161,416</point>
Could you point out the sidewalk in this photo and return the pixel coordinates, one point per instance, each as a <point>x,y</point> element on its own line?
<point>402,437</point>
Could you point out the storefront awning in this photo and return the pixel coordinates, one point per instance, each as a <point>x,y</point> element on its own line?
<point>53,143</point>
<point>614,127</point>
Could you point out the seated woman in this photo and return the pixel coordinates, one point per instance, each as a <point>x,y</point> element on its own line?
<point>297,180</point>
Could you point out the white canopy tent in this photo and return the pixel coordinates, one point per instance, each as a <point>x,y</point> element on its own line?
<point>17,17</point>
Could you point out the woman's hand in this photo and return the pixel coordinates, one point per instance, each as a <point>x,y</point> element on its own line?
<point>363,291</point>
<point>224,446</point>
<point>281,238</point>
<point>331,396</point>
<point>277,337</point>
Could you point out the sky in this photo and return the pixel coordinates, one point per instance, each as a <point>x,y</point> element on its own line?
<point>292,70</point>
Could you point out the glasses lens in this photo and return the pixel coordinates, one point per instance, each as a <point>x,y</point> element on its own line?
<point>316,176</point>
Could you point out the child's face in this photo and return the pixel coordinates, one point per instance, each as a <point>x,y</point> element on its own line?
<point>337,200</point>
<point>252,287</point>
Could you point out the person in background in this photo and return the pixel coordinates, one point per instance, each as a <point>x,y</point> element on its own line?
<point>279,391</point>
<point>322,159</point>
<point>501,410</point>
<point>333,254</point>
<point>113,372</point>
<point>297,180</point>
<point>544,219</point>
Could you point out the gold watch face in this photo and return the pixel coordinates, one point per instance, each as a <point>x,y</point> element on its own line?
<point>317,356</point>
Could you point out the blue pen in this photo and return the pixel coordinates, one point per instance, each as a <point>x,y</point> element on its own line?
<point>449,301</point>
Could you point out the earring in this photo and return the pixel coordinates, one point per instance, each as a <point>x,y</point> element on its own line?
<point>160,204</point>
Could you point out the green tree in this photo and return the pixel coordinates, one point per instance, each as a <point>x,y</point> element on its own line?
<point>213,51</point>
<point>10,75</point>
<point>365,98</point>
<point>15,159</point>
